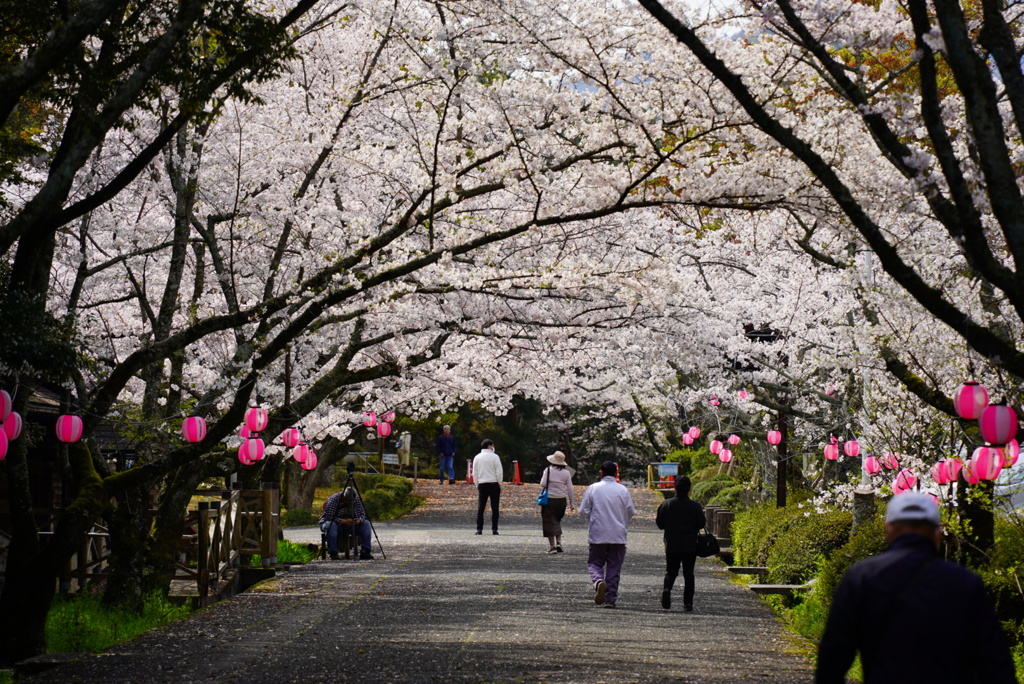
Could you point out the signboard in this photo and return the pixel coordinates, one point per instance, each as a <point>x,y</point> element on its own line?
<point>390,459</point>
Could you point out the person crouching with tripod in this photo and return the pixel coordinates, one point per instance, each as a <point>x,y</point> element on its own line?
<point>344,513</point>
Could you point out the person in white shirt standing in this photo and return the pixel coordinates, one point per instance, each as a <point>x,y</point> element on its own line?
<point>607,507</point>
<point>487,474</point>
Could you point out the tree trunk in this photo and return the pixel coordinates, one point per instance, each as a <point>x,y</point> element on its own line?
<point>168,524</point>
<point>129,533</point>
<point>976,504</point>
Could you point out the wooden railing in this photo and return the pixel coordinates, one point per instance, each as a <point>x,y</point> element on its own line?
<point>220,537</point>
<point>242,524</point>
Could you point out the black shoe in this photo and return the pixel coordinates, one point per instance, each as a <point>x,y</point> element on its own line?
<point>609,605</point>
<point>451,481</point>
<point>334,556</point>
<point>666,599</point>
<point>365,555</point>
<point>479,531</point>
<point>688,607</point>
<point>599,589</point>
<point>558,548</point>
<point>494,532</point>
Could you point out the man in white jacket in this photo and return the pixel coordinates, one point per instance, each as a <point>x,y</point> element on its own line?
<point>487,474</point>
<point>607,507</point>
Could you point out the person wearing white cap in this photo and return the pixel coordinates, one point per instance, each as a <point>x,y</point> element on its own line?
<point>912,616</point>
<point>557,479</point>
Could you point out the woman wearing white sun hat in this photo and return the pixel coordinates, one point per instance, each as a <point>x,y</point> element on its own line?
<point>557,479</point>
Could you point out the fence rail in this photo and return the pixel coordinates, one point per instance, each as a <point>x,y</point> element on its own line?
<point>220,537</point>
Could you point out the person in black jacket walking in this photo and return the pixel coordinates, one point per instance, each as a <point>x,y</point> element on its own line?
<point>913,616</point>
<point>682,518</point>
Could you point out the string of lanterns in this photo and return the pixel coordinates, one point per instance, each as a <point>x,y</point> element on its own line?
<point>69,430</point>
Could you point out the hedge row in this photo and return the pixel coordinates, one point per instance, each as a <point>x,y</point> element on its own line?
<point>793,543</point>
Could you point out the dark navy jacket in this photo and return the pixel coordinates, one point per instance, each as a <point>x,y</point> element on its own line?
<point>914,618</point>
<point>445,445</point>
<point>681,518</point>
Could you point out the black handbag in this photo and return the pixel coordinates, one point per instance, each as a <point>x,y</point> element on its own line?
<point>707,544</point>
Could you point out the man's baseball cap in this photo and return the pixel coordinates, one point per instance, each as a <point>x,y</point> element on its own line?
<point>913,506</point>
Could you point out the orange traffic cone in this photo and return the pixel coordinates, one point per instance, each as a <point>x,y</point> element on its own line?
<point>516,478</point>
<point>469,474</point>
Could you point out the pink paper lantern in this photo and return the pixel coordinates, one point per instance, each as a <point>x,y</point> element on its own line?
<point>301,452</point>
<point>256,419</point>
<point>245,432</point>
<point>243,455</point>
<point>905,480</point>
<point>953,468</point>
<point>716,446</point>
<point>998,424</point>
<point>12,425</point>
<point>968,473</point>
<point>69,429</point>
<point>970,400</point>
<point>383,429</point>
<point>388,417</point>
<point>872,466</point>
<point>1010,452</point>
<point>6,404</point>
<point>291,437</point>
<point>253,448</point>
<point>369,419</point>
<point>3,445</point>
<point>774,437</point>
<point>193,429</point>
<point>734,439</point>
<point>310,462</point>
<point>891,460</point>
<point>831,451</point>
<point>687,439</point>
<point>851,448</point>
<point>939,473</point>
<point>695,432</point>
<point>987,462</point>
<point>725,455</point>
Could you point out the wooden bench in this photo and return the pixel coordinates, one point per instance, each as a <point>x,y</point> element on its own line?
<point>748,570</point>
<point>780,589</point>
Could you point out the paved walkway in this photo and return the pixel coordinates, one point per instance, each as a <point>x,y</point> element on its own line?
<point>449,606</point>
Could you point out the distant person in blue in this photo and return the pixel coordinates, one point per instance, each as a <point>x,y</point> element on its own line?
<point>445,448</point>
<point>911,615</point>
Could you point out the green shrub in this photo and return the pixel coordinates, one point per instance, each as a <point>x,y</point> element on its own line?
<point>377,501</point>
<point>80,623</point>
<point>298,517</point>
<point>869,540</point>
<point>707,489</point>
<point>732,497</point>
<point>1003,573</point>
<point>755,530</point>
<point>809,540</point>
